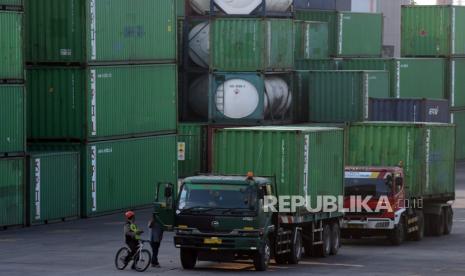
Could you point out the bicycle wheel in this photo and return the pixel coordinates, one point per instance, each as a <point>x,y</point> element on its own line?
<point>142,260</point>
<point>120,259</point>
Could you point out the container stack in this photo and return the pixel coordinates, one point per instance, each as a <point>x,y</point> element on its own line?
<point>102,82</point>
<point>12,115</point>
<point>439,31</point>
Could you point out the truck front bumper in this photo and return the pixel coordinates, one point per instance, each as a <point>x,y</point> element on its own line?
<point>218,242</point>
<point>368,224</point>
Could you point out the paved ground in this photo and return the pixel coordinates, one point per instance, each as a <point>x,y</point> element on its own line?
<point>87,247</point>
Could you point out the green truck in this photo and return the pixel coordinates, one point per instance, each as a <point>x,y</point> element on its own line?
<point>225,216</point>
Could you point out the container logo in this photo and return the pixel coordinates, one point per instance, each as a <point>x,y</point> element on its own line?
<point>181,151</point>
<point>93,156</point>
<point>66,52</point>
<point>434,111</point>
<point>423,33</point>
<point>37,188</point>
<point>134,31</point>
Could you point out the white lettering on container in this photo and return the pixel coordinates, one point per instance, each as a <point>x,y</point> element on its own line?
<point>93,157</point>
<point>93,102</point>
<point>37,188</point>
<point>93,30</point>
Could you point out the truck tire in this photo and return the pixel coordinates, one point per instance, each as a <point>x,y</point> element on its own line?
<point>335,238</point>
<point>188,258</point>
<point>448,220</point>
<point>262,257</point>
<point>420,233</point>
<point>323,250</point>
<point>437,224</point>
<point>296,249</point>
<point>397,235</point>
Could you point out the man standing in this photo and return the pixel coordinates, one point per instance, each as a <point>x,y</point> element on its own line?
<point>156,237</point>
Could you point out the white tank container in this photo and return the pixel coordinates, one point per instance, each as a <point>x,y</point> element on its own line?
<point>278,98</point>
<point>199,44</point>
<point>240,6</point>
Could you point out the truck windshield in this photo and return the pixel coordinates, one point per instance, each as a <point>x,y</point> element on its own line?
<point>367,187</point>
<point>217,196</point>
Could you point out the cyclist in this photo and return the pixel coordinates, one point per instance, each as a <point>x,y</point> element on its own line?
<point>131,234</point>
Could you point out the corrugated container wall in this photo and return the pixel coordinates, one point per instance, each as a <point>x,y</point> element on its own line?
<point>192,151</point>
<point>456,83</point>
<point>101,102</point>
<point>89,31</point>
<point>409,110</point>
<point>11,45</point>
<point>12,119</point>
<point>311,40</point>
<point>317,64</point>
<point>303,161</point>
<point>339,5</point>
<point>12,195</point>
<point>426,150</point>
<point>410,77</point>
<point>458,118</point>
<point>347,29</point>
<point>342,96</point>
<point>11,2</point>
<point>433,31</point>
<point>53,187</point>
<point>180,8</point>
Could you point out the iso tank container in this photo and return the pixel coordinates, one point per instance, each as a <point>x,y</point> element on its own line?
<point>241,7</point>
<point>433,31</point>
<point>410,77</point>
<point>456,83</point>
<point>11,45</point>
<point>350,34</point>
<point>95,31</point>
<point>192,149</point>
<point>409,110</point>
<point>303,161</point>
<point>53,187</point>
<point>243,44</point>
<point>426,150</point>
<point>458,119</point>
<point>12,195</point>
<point>101,102</point>
<point>240,98</point>
<point>343,96</point>
<point>12,120</point>
<point>311,40</point>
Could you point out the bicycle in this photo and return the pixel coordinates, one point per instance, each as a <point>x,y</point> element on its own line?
<point>141,259</point>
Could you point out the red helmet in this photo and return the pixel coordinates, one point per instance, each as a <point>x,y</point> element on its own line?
<point>129,214</point>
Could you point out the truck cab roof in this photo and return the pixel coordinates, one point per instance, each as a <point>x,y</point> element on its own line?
<point>205,179</point>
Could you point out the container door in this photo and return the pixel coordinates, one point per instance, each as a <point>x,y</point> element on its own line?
<point>164,205</point>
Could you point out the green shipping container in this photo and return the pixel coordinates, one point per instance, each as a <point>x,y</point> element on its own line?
<point>94,31</point>
<point>350,34</point>
<point>101,102</point>
<point>53,187</point>
<point>433,31</point>
<point>12,195</point>
<point>317,64</point>
<point>343,96</point>
<point>243,44</point>
<point>192,149</point>
<point>456,83</point>
<point>12,119</point>
<point>180,8</point>
<point>427,151</point>
<point>410,77</point>
<point>304,161</point>
<point>11,45</point>
<point>458,118</point>
<point>11,2</point>
<point>311,40</point>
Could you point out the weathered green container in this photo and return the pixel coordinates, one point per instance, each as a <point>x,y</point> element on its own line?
<point>11,2</point>
<point>12,119</point>
<point>244,44</point>
<point>311,40</point>
<point>343,96</point>
<point>94,31</point>
<point>410,77</point>
<point>53,187</point>
<point>433,31</point>
<point>303,161</point>
<point>192,149</point>
<point>458,118</point>
<point>180,8</point>
<point>427,151</point>
<point>350,34</point>
<point>456,83</point>
<point>12,195</point>
<point>101,102</point>
<point>317,64</point>
<point>11,45</point>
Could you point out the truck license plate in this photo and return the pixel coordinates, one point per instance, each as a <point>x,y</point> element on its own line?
<point>354,226</point>
<point>213,240</point>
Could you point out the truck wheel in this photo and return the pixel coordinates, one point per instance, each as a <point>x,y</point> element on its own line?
<point>397,235</point>
<point>448,220</point>
<point>437,224</point>
<point>296,249</point>
<point>262,257</point>
<point>323,250</point>
<point>335,238</point>
<point>420,233</point>
<point>188,258</point>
